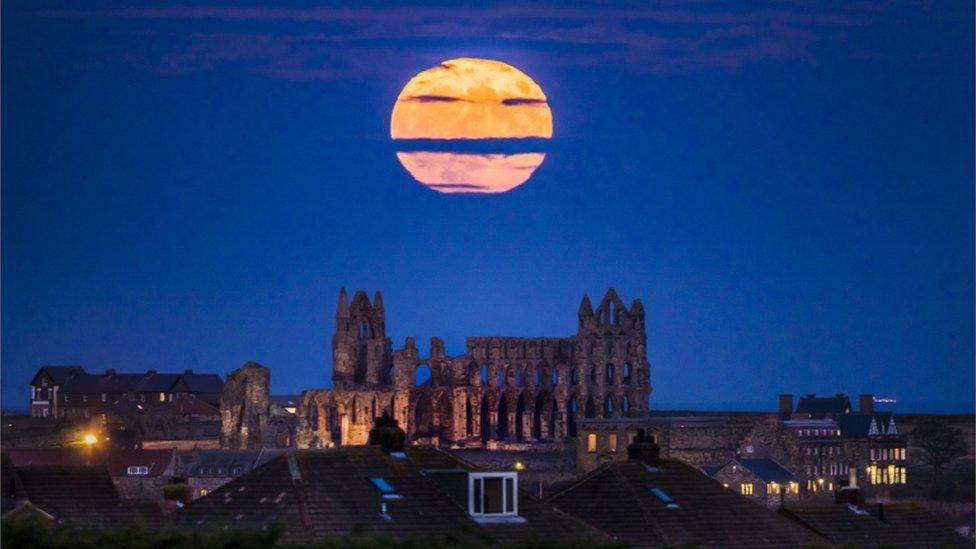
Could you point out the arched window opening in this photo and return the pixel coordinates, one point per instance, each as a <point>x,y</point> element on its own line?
<point>627,372</point>
<point>573,377</point>
<point>608,406</point>
<point>571,411</point>
<point>609,373</point>
<point>355,410</point>
<point>625,406</point>
<point>555,376</point>
<point>500,378</point>
<point>390,375</point>
<point>502,419</point>
<point>421,375</point>
<point>363,329</point>
<point>485,424</point>
<point>537,377</point>
<point>484,374</point>
<point>520,419</point>
<point>594,376</point>
<point>519,378</point>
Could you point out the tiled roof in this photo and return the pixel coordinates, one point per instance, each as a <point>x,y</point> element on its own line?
<point>79,381</point>
<point>84,496</point>
<point>191,405</point>
<point>710,469</point>
<point>617,498</point>
<point>221,463</point>
<point>905,524</point>
<point>768,470</point>
<point>118,460</point>
<point>318,493</point>
<point>819,406</point>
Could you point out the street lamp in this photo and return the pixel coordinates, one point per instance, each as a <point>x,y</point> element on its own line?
<point>90,439</point>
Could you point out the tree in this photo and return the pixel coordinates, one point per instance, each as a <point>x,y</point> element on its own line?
<point>942,444</point>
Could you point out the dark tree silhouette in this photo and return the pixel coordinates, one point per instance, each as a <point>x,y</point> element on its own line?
<point>942,444</point>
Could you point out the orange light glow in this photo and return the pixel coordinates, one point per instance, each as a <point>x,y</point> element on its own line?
<point>447,172</point>
<point>470,98</point>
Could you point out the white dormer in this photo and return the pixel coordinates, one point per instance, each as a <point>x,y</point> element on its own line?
<point>493,497</point>
<point>873,429</point>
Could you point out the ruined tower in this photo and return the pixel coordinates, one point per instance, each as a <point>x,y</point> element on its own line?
<point>361,352</point>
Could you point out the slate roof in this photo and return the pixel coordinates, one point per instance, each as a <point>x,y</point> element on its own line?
<point>317,493</point>
<point>617,499</point>
<point>74,379</point>
<point>906,524</point>
<point>768,470</point>
<point>61,373</point>
<point>859,425</point>
<point>818,407</point>
<point>710,470</point>
<point>84,496</point>
<point>221,463</point>
<point>202,383</point>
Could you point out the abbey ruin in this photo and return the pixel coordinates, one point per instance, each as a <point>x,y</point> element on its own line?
<point>502,389</point>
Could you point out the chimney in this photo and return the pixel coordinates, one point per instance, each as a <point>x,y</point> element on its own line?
<point>866,404</point>
<point>644,449</point>
<point>150,373</point>
<point>110,372</point>
<point>187,372</point>
<point>785,406</point>
<point>850,494</point>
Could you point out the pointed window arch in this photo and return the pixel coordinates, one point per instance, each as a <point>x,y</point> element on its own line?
<point>608,406</point>
<point>627,372</point>
<point>609,372</point>
<point>625,406</point>
<point>484,374</point>
<point>571,412</point>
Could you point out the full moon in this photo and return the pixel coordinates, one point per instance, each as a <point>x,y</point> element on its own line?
<point>469,99</point>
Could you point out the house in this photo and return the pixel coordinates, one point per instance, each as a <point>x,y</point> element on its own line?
<point>136,473</point>
<point>184,416</point>
<point>850,522</point>
<point>71,392</point>
<point>82,496</point>
<point>646,501</point>
<point>421,493</point>
<point>760,479</point>
<point>813,407</point>
<point>207,470</point>
<point>45,388</point>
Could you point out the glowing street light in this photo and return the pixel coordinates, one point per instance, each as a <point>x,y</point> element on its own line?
<point>519,466</point>
<point>90,439</point>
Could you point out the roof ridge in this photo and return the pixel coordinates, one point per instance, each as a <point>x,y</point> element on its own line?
<point>299,486</point>
<point>643,508</point>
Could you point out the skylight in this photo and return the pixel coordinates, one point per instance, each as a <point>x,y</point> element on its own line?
<point>384,487</point>
<point>664,497</point>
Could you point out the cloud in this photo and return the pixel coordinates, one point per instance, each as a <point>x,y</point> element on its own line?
<point>349,43</point>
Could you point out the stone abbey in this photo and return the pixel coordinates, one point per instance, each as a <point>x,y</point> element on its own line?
<point>509,389</point>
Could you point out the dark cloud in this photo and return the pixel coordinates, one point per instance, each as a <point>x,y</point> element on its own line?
<point>338,43</point>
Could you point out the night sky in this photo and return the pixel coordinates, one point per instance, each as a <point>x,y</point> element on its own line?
<point>788,189</point>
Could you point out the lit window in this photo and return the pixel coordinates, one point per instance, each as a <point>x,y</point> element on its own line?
<point>664,497</point>
<point>772,488</point>
<point>204,492</point>
<point>613,442</point>
<point>793,488</point>
<point>385,488</point>
<point>137,470</point>
<point>162,397</point>
<point>493,495</point>
<point>746,488</point>
<point>591,443</point>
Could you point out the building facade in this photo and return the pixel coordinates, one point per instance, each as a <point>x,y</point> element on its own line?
<point>502,389</point>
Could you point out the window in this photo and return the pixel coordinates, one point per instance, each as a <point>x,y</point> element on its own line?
<point>237,471</point>
<point>204,492</point>
<point>162,397</point>
<point>609,373</point>
<point>104,397</point>
<point>84,398</point>
<point>746,488</point>
<point>612,440</point>
<point>384,487</point>
<point>493,495</point>
<point>137,470</point>
<point>591,443</point>
<point>772,488</point>
<point>664,497</point>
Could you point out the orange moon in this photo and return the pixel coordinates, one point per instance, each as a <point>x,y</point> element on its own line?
<point>470,99</point>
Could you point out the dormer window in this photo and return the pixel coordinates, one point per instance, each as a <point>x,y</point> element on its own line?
<point>493,497</point>
<point>140,470</point>
<point>384,487</point>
